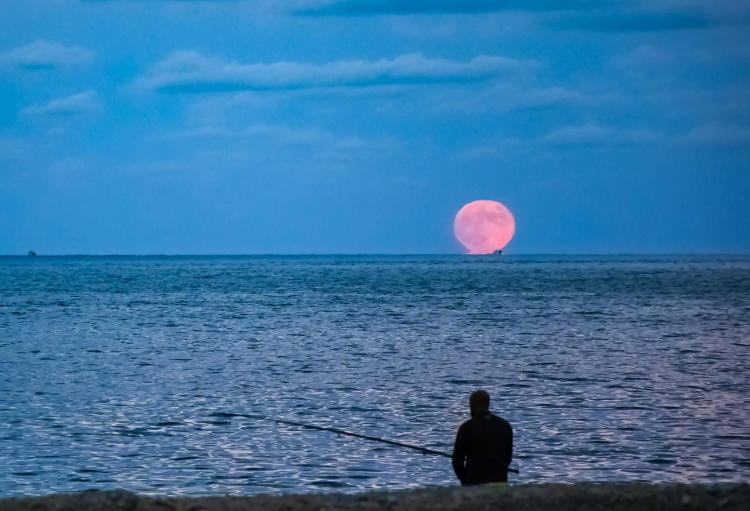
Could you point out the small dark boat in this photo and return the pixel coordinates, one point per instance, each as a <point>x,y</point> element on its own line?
<point>497,252</point>
<point>31,253</point>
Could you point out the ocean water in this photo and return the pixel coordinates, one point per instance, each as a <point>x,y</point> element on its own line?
<point>127,371</point>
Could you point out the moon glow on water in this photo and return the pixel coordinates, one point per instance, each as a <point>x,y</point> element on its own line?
<point>484,226</point>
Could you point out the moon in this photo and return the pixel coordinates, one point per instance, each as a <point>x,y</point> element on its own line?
<point>484,226</point>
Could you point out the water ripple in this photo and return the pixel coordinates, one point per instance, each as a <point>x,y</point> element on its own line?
<point>164,375</point>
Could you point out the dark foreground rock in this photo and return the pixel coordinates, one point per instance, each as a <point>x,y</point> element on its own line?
<point>536,497</point>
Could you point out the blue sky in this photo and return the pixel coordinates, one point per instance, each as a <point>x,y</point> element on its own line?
<point>323,126</point>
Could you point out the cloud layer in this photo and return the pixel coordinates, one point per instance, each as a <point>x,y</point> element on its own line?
<point>78,103</point>
<point>591,134</point>
<point>375,7</point>
<point>719,135</point>
<point>586,15</point>
<point>41,55</point>
<point>504,97</point>
<point>644,21</point>
<point>192,72</point>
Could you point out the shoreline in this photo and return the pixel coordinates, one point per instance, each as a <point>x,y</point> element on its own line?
<point>607,496</point>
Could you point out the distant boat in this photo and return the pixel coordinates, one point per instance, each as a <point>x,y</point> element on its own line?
<point>497,252</point>
<point>31,253</point>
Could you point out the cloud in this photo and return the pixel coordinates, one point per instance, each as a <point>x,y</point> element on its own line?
<point>591,134</point>
<point>717,134</point>
<point>284,135</point>
<point>587,15</point>
<point>401,7</point>
<point>650,65</point>
<point>683,78</point>
<point>78,103</point>
<point>280,133</point>
<point>644,21</point>
<point>502,98</point>
<point>711,134</point>
<point>281,142</point>
<point>644,56</point>
<point>42,55</point>
<point>725,103</point>
<point>192,72</point>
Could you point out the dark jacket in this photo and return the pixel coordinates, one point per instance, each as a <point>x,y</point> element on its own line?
<point>483,450</point>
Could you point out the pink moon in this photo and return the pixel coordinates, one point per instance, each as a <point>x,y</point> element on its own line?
<point>484,226</point>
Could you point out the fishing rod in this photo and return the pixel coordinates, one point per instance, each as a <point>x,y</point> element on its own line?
<point>342,432</point>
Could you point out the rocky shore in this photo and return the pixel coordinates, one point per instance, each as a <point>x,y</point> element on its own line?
<point>537,497</point>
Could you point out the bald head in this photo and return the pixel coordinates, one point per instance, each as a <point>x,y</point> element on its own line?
<point>479,402</point>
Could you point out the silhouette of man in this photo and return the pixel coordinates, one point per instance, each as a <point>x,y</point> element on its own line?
<point>484,445</point>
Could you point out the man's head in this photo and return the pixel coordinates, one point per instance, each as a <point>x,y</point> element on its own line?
<point>479,402</point>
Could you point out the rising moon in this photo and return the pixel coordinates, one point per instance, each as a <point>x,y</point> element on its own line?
<point>484,226</point>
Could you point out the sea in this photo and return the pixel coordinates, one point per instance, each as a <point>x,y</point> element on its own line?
<point>166,375</point>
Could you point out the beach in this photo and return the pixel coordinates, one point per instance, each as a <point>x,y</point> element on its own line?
<point>538,497</point>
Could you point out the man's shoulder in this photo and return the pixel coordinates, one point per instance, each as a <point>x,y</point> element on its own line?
<point>501,420</point>
<point>475,421</point>
<point>466,424</point>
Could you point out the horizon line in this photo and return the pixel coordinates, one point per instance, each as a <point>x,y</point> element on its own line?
<point>394,254</point>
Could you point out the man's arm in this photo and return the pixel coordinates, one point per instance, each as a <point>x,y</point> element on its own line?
<point>459,455</point>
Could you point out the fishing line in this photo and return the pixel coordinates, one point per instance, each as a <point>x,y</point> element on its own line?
<point>341,432</point>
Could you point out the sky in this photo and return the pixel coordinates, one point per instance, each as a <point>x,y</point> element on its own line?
<point>345,126</point>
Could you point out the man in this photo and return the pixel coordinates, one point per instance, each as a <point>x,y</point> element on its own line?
<point>484,445</point>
